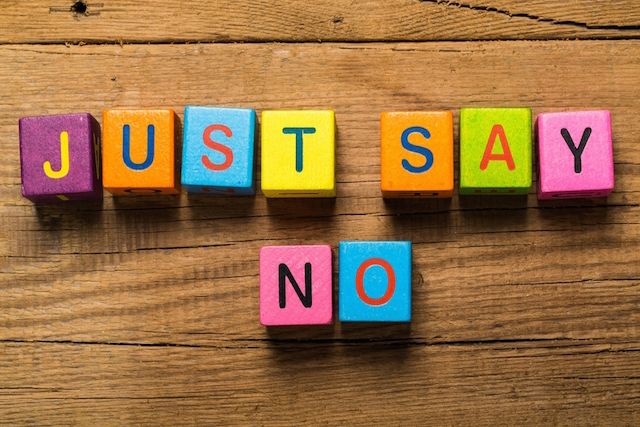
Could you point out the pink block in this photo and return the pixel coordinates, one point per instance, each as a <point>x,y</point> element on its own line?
<point>296,285</point>
<point>567,173</point>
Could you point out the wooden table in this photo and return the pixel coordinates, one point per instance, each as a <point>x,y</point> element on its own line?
<point>145,310</point>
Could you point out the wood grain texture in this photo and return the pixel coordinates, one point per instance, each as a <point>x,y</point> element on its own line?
<point>57,21</point>
<point>146,309</point>
<point>557,382</point>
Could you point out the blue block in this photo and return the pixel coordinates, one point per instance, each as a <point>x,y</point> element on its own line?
<point>367,270</point>
<point>217,150</point>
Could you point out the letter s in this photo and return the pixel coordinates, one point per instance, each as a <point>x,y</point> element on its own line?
<point>428,155</point>
<point>226,151</point>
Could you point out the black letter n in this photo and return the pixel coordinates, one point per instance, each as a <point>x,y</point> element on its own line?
<point>283,274</point>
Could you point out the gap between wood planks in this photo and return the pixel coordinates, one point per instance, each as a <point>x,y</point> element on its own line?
<point>82,9</point>
<point>258,343</point>
<point>106,42</point>
<point>533,17</point>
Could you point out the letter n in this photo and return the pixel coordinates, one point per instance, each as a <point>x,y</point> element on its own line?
<point>283,274</point>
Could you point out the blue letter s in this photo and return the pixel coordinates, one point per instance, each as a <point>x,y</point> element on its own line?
<point>428,155</point>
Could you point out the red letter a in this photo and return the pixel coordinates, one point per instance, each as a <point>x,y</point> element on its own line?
<point>497,132</point>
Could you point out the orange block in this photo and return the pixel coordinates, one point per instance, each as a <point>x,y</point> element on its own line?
<point>138,152</point>
<point>416,155</point>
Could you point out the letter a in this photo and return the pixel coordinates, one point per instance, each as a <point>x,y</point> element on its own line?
<point>497,131</point>
<point>64,159</point>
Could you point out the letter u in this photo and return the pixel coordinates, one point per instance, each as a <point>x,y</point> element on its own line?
<point>126,148</point>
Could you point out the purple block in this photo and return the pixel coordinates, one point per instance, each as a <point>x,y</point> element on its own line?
<point>59,156</point>
<point>575,154</point>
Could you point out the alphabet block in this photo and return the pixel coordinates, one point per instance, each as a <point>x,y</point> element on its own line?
<point>298,154</point>
<point>59,157</point>
<point>495,150</point>
<point>296,285</point>
<point>375,282</point>
<point>138,152</point>
<point>575,154</point>
<point>416,154</point>
<point>217,153</point>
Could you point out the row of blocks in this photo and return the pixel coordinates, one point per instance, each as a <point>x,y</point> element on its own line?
<point>60,154</point>
<point>296,283</point>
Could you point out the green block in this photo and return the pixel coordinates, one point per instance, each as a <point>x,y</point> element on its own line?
<point>496,174</point>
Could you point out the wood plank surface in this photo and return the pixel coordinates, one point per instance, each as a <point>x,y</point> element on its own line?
<point>58,21</point>
<point>145,310</point>
<point>557,382</point>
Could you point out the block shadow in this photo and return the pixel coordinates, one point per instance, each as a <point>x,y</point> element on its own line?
<point>301,207</point>
<point>358,341</point>
<point>51,217</point>
<point>425,220</point>
<point>575,212</point>
<point>300,333</point>
<point>494,202</point>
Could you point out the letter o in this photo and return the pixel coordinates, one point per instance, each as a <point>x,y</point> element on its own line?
<point>391,281</point>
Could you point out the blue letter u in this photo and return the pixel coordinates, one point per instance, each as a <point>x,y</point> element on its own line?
<point>126,148</point>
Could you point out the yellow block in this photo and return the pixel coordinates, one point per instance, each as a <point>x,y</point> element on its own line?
<point>298,154</point>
